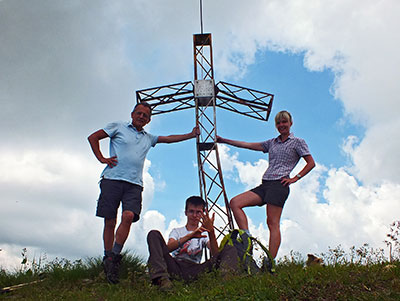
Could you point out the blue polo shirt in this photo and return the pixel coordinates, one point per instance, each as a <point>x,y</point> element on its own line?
<point>131,147</point>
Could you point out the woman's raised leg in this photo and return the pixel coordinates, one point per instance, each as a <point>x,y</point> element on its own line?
<point>245,199</point>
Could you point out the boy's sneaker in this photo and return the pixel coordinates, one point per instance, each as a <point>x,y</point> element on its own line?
<point>112,272</point>
<point>165,284</point>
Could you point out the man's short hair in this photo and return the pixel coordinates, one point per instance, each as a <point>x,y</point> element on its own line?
<point>195,201</point>
<point>143,103</point>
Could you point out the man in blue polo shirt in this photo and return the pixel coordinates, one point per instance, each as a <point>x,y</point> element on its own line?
<point>122,179</point>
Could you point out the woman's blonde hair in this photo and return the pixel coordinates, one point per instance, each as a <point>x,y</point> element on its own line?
<point>283,115</point>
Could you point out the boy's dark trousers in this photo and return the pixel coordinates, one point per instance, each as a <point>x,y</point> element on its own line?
<point>162,264</point>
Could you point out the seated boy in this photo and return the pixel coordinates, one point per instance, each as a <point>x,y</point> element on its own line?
<point>186,245</point>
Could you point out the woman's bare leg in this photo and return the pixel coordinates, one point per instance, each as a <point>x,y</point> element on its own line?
<point>245,199</point>
<point>273,221</point>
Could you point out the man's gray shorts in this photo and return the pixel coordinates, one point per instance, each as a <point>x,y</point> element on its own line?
<point>114,192</point>
<point>272,192</point>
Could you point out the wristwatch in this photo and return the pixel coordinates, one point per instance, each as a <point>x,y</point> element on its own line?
<point>298,176</point>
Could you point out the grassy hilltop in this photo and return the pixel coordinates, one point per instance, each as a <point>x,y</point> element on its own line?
<point>363,274</point>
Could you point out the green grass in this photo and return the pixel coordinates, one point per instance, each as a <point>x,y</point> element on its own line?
<point>344,278</point>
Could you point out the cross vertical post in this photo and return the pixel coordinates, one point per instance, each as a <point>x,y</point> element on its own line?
<point>212,188</point>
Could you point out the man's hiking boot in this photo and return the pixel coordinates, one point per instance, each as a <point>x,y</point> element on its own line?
<point>112,268</point>
<point>268,265</point>
<point>165,284</point>
<point>107,263</point>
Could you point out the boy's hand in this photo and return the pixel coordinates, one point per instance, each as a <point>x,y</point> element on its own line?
<point>198,232</point>
<point>111,162</point>
<point>207,222</point>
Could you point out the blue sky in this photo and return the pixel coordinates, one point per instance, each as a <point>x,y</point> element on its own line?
<point>69,68</point>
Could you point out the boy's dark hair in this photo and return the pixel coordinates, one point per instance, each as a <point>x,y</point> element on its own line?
<point>143,103</point>
<point>195,201</point>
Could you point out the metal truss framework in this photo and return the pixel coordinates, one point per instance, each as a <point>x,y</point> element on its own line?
<point>205,96</point>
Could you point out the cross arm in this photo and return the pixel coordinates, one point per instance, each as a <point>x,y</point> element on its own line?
<point>168,98</point>
<point>245,101</point>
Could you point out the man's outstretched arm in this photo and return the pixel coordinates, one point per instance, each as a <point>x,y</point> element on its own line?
<point>177,138</point>
<point>95,145</point>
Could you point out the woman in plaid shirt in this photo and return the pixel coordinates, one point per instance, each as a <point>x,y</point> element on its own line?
<point>284,152</point>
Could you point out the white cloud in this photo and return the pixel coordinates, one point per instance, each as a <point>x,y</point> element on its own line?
<point>245,172</point>
<point>11,257</point>
<point>45,167</point>
<point>149,186</point>
<point>374,157</point>
<point>153,220</point>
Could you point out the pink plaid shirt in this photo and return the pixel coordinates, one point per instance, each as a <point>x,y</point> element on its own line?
<point>283,156</point>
